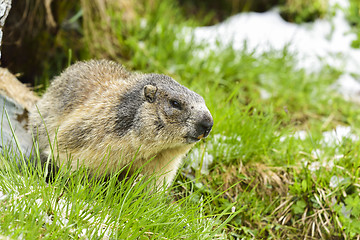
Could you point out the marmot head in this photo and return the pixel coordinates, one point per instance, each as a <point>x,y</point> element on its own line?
<point>165,112</point>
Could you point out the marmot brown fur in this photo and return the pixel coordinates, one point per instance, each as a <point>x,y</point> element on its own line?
<point>100,115</point>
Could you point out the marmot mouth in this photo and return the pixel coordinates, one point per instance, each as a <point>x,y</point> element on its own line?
<point>190,139</point>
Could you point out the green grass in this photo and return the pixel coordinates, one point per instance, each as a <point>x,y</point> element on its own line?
<point>263,182</point>
<point>76,207</point>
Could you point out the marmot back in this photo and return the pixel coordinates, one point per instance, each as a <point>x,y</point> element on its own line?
<point>98,110</point>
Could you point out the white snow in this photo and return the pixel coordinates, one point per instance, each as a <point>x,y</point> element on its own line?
<point>337,135</point>
<point>335,181</point>
<point>325,41</point>
<point>348,87</point>
<point>201,158</point>
<point>330,138</point>
<point>3,196</point>
<point>315,45</point>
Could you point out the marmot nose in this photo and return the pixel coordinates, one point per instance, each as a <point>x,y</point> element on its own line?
<point>204,127</point>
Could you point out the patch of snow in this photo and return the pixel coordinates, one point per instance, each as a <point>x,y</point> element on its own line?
<point>325,41</point>
<point>337,135</point>
<point>3,196</point>
<point>316,153</point>
<point>346,212</point>
<point>317,165</point>
<point>38,202</point>
<point>263,32</point>
<point>264,94</point>
<point>335,181</point>
<point>332,137</point>
<point>199,157</point>
<point>338,156</point>
<point>348,87</point>
<point>314,166</point>
<point>143,23</point>
<point>302,135</point>
<point>330,164</point>
<point>47,219</point>
<point>203,156</point>
<point>341,3</point>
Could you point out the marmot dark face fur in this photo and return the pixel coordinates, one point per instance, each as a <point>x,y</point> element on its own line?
<point>102,116</point>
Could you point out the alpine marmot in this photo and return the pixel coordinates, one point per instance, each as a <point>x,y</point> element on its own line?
<point>99,115</point>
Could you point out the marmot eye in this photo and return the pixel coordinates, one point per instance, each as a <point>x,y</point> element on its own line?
<point>175,104</point>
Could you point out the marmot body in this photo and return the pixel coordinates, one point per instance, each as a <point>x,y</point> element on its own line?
<point>104,117</point>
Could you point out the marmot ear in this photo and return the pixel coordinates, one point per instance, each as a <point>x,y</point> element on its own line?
<point>150,93</point>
